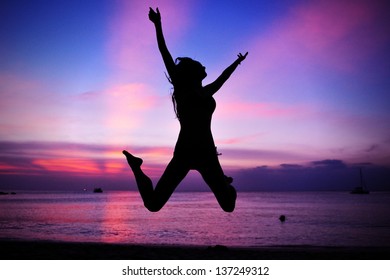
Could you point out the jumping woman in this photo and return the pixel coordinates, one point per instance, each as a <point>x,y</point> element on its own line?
<point>195,149</point>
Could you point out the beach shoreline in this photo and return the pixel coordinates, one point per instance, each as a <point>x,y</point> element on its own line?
<point>58,250</point>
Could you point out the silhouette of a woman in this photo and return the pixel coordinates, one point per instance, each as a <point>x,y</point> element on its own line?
<point>195,149</point>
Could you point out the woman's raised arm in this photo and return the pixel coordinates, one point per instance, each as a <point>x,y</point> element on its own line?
<point>217,84</point>
<point>155,17</point>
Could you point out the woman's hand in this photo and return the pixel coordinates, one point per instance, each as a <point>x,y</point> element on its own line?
<point>241,57</point>
<point>154,17</point>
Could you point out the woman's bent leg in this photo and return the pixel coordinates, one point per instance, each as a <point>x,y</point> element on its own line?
<point>172,176</point>
<point>145,185</point>
<point>155,199</point>
<point>220,185</point>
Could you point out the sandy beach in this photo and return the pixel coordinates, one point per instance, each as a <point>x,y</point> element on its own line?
<point>48,250</point>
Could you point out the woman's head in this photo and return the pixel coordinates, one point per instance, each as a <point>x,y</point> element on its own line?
<point>189,72</point>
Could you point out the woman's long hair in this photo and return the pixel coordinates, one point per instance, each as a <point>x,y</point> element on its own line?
<point>186,75</point>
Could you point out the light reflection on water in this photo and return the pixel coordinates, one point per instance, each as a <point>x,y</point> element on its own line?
<point>320,219</point>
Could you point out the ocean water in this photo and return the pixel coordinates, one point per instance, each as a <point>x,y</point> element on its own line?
<point>312,219</point>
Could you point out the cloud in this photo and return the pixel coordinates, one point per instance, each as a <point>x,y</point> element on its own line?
<point>290,166</point>
<point>30,111</point>
<point>61,165</point>
<point>29,108</point>
<point>329,163</point>
<point>372,148</point>
<point>238,139</point>
<point>132,47</point>
<point>64,165</point>
<point>324,175</point>
<point>125,108</point>
<point>247,110</point>
<point>78,159</point>
<point>336,34</point>
<point>70,165</point>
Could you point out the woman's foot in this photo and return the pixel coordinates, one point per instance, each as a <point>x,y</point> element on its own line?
<point>133,161</point>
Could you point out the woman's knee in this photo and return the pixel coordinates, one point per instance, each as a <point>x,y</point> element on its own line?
<point>227,200</point>
<point>154,204</point>
<point>153,207</point>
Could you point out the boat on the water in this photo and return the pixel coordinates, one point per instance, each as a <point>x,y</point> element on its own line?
<point>97,190</point>
<point>361,189</point>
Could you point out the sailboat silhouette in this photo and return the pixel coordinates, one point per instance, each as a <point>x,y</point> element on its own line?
<point>361,189</point>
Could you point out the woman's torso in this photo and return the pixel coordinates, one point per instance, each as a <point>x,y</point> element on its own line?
<point>195,112</point>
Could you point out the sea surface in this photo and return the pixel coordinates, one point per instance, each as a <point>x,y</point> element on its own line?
<point>312,219</point>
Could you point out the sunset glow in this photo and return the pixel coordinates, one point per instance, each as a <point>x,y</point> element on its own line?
<point>81,82</point>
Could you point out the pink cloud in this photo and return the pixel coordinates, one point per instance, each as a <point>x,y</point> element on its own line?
<point>239,139</point>
<point>76,158</point>
<point>30,111</point>
<point>9,168</point>
<point>77,165</point>
<point>70,165</point>
<point>132,47</point>
<point>125,107</point>
<point>336,34</point>
<point>245,110</point>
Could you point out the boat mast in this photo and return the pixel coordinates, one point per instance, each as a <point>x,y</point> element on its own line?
<point>362,183</point>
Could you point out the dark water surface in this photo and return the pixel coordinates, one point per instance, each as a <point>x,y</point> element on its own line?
<point>312,218</point>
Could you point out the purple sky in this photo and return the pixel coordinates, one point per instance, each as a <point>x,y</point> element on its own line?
<point>81,81</point>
